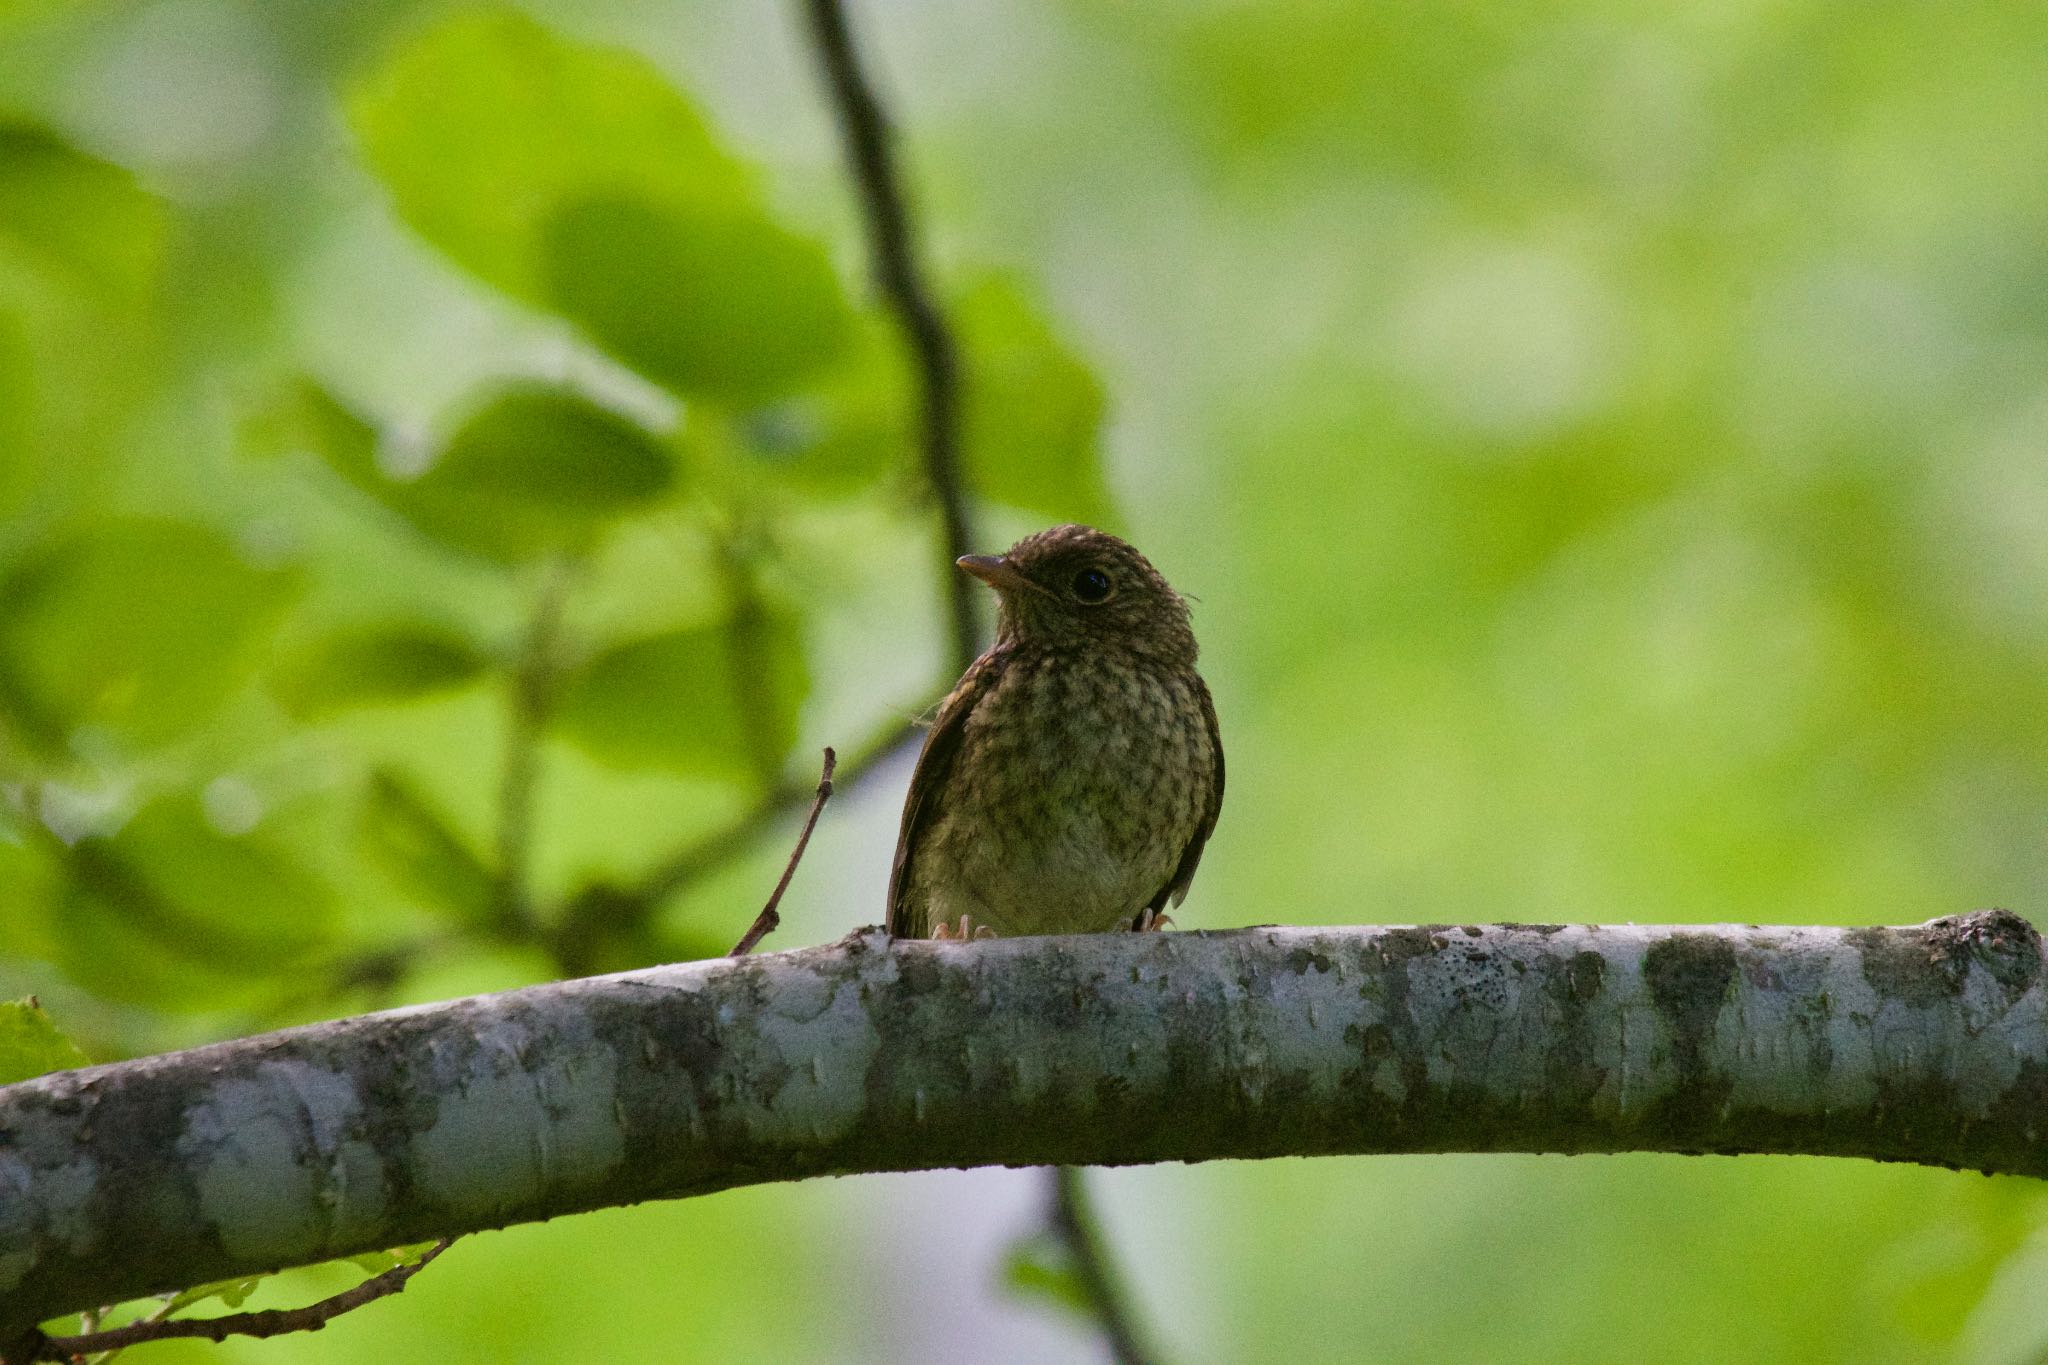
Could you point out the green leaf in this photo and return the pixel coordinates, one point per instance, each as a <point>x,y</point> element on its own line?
<point>81,218</point>
<point>707,699</point>
<point>303,415</point>
<point>30,885</point>
<point>1039,1267</point>
<point>393,661</point>
<point>484,127</point>
<point>31,1044</point>
<point>1031,411</point>
<point>170,911</point>
<point>234,1293</point>
<point>140,626</point>
<point>576,178</point>
<point>534,471</point>
<point>20,460</point>
<point>711,300</point>
<point>406,835</point>
<point>848,426</point>
<point>375,1263</point>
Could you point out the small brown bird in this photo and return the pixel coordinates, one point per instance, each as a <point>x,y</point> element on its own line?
<point>1075,771</point>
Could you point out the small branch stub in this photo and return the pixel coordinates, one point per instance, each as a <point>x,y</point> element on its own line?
<point>770,917</point>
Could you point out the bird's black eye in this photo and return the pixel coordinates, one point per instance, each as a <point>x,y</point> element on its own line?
<point>1091,586</point>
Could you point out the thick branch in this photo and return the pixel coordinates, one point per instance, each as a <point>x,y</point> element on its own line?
<point>1927,1044</point>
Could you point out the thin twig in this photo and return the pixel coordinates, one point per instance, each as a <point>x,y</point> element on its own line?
<point>602,912</point>
<point>533,687</point>
<point>712,851</point>
<point>1072,1220</point>
<point>765,922</point>
<point>864,129</point>
<point>270,1322</point>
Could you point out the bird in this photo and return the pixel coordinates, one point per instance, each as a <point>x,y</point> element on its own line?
<point>1073,775</point>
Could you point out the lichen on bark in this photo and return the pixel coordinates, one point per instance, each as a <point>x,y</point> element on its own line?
<point>1925,1044</point>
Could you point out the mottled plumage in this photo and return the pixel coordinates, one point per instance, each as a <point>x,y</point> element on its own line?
<point>1074,773</point>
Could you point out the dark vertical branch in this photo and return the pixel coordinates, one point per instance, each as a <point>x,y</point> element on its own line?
<point>864,129</point>
<point>750,668</point>
<point>533,686</point>
<point>1072,1220</point>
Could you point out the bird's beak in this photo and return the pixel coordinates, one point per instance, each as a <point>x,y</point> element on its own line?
<point>993,570</point>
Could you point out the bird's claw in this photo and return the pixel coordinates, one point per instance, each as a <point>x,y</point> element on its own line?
<point>1151,921</point>
<point>967,931</point>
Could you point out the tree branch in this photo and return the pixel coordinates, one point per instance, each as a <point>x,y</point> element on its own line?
<point>269,1322</point>
<point>865,132</point>
<point>1072,1220</point>
<point>1925,1044</point>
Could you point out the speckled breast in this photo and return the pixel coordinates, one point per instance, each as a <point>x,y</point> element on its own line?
<point>1080,783</point>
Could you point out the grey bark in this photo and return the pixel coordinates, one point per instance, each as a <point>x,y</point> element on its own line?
<point>1926,1044</point>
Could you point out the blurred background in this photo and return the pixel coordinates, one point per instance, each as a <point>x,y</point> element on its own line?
<point>451,469</point>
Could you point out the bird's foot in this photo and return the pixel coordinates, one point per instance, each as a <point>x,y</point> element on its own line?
<point>1151,921</point>
<point>966,931</point>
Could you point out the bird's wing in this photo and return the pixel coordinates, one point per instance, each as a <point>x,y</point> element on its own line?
<point>1176,890</point>
<point>934,764</point>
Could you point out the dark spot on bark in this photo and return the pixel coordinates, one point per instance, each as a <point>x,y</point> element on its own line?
<point>1811,1014</point>
<point>1926,965</point>
<point>1373,1042</point>
<point>2009,1135</point>
<point>1401,945</point>
<point>919,972</point>
<point>401,1097</point>
<point>2005,943</point>
<point>1689,976</point>
<point>1583,974</point>
<point>1571,1076</point>
<point>1394,1036</point>
<point>1474,930</point>
<point>1299,960</point>
<point>1907,965</point>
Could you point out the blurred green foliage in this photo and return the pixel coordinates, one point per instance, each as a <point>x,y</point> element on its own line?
<point>1607,449</point>
<point>30,1044</point>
